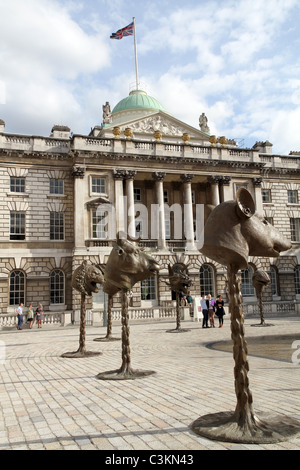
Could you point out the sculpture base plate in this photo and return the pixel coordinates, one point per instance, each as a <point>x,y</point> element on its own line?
<point>266,428</point>
<point>178,330</point>
<point>118,374</point>
<point>107,339</point>
<point>78,354</point>
<point>263,325</point>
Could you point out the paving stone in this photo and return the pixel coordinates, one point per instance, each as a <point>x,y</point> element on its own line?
<point>60,404</point>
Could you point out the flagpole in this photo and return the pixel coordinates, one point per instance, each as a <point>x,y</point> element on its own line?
<point>136,61</point>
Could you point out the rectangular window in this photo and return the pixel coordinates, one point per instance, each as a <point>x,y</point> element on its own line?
<point>148,289</point>
<point>17,185</point>
<point>57,226</point>
<point>266,196</point>
<point>166,196</point>
<point>98,185</point>
<point>99,228</point>
<point>56,186</point>
<point>292,196</point>
<point>17,226</point>
<point>137,193</point>
<point>295,230</point>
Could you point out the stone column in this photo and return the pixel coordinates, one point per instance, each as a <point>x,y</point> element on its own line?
<point>119,176</point>
<point>159,189</point>
<point>225,188</point>
<point>188,211</point>
<point>215,196</point>
<point>130,174</point>
<point>78,174</point>
<point>257,182</point>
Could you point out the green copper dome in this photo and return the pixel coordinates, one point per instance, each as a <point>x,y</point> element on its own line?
<point>138,99</point>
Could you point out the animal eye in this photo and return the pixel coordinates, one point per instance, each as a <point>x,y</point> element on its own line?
<point>121,251</point>
<point>265,222</point>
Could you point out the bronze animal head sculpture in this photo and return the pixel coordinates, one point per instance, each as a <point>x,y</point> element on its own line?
<point>234,231</point>
<point>86,277</point>
<point>179,278</point>
<point>127,264</point>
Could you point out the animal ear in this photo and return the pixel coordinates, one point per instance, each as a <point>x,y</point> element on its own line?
<point>245,204</point>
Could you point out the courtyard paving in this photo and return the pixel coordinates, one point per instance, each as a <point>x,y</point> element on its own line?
<point>53,403</point>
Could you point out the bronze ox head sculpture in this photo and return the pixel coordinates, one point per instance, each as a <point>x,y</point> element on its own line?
<point>86,277</point>
<point>179,278</point>
<point>234,231</point>
<point>127,264</point>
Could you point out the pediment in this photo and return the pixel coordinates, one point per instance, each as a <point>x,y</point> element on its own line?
<point>171,128</point>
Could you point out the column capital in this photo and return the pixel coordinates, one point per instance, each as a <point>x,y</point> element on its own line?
<point>257,182</point>
<point>158,175</point>
<point>214,179</point>
<point>119,174</point>
<point>130,174</point>
<point>78,171</point>
<point>225,180</point>
<point>187,178</point>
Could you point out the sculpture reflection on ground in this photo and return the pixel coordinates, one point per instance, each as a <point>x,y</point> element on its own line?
<point>232,233</point>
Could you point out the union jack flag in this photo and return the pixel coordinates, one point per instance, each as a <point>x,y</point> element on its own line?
<point>127,31</point>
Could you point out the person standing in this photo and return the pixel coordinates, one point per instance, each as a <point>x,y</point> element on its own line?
<point>204,312</point>
<point>220,312</point>
<point>39,315</point>
<point>30,316</point>
<point>211,310</point>
<point>20,316</point>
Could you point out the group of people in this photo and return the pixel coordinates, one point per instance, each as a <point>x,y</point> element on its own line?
<point>210,309</point>
<point>38,314</point>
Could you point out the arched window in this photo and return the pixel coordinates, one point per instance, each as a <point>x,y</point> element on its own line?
<point>247,284</point>
<point>274,280</point>
<point>16,288</point>
<point>207,282</point>
<point>57,287</point>
<point>297,279</point>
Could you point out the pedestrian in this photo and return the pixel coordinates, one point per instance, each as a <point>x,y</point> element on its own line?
<point>20,316</point>
<point>39,315</point>
<point>220,312</point>
<point>204,312</point>
<point>30,315</point>
<point>211,310</point>
<point>189,299</point>
<point>183,301</point>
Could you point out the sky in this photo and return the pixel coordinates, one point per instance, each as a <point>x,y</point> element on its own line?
<point>237,61</point>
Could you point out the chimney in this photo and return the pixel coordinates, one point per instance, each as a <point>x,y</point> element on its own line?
<point>263,147</point>
<point>60,132</point>
<point>2,126</point>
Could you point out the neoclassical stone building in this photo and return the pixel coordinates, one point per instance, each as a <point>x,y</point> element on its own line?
<point>64,197</point>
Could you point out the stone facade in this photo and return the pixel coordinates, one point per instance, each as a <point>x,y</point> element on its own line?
<point>52,187</point>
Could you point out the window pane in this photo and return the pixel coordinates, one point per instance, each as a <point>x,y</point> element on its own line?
<point>16,288</point>
<point>56,226</point>
<point>295,232</point>
<point>207,280</point>
<point>56,187</point>
<point>247,284</point>
<point>297,279</point>
<point>98,185</point>
<point>148,289</point>
<point>100,225</point>
<point>17,185</point>
<point>17,226</point>
<point>57,287</point>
